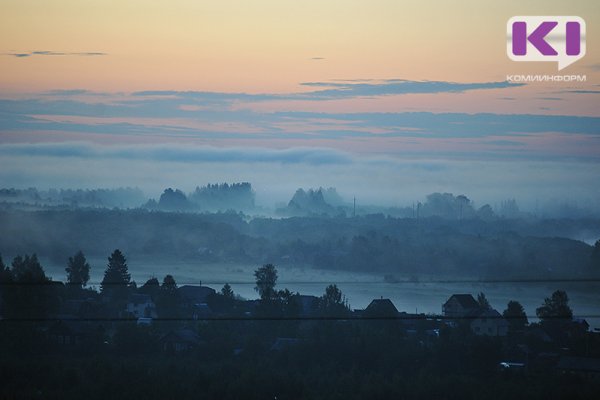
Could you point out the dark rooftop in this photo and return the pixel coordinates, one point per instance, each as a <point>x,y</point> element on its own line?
<point>465,300</point>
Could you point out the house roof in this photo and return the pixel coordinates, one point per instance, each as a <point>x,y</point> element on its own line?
<point>381,308</point>
<point>195,294</point>
<point>465,300</point>
<point>582,322</point>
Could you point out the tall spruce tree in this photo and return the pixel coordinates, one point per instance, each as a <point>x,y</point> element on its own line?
<point>116,277</point>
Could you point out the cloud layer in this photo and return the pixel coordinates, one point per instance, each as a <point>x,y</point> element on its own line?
<point>54,53</point>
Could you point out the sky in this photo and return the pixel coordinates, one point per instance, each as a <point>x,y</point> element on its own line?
<point>385,100</point>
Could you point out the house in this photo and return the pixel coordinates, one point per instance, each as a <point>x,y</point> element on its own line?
<point>381,308</point>
<point>191,295</point>
<point>578,328</point>
<point>180,340</point>
<point>201,311</point>
<point>460,306</point>
<point>141,306</point>
<point>489,322</point>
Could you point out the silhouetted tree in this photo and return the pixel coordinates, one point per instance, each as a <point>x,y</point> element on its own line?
<point>227,292</point>
<point>116,277</point>
<point>266,278</point>
<point>289,306</point>
<point>222,301</point>
<point>151,288</point>
<point>483,301</point>
<point>169,285</point>
<point>333,302</point>
<point>78,270</point>
<point>29,294</point>
<point>515,315</point>
<point>168,300</point>
<point>5,285</point>
<point>28,269</point>
<point>555,308</point>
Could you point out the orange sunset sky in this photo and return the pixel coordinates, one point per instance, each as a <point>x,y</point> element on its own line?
<point>372,82</point>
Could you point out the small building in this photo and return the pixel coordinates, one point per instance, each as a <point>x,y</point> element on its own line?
<point>381,308</point>
<point>141,306</point>
<point>489,322</point>
<point>578,328</point>
<point>459,306</point>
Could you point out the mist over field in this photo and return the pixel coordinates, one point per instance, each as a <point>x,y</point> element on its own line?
<point>545,187</point>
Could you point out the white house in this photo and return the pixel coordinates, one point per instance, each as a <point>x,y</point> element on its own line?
<point>489,322</point>
<point>141,306</point>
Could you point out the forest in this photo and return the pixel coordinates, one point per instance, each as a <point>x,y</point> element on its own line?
<point>484,249</point>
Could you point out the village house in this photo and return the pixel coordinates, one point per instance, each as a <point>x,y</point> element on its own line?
<point>460,306</point>
<point>141,306</point>
<point>381,308</point>
<point>489,322</point>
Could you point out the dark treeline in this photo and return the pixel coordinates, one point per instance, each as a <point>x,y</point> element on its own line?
<point>469,247</point>
<point>212,197</point>
<point>319,202</point>
<point>159,340</point>
<point>74,198</point>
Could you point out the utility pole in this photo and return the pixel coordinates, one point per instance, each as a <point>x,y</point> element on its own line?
<point>354,210</point>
